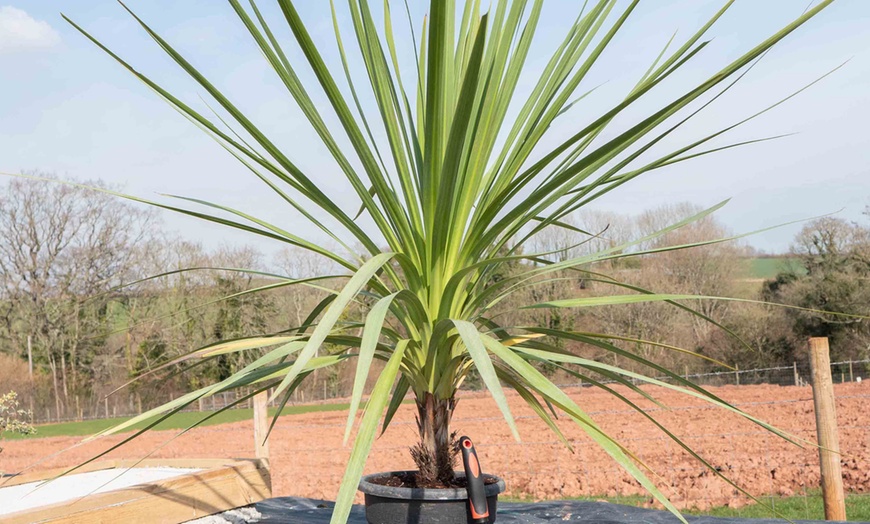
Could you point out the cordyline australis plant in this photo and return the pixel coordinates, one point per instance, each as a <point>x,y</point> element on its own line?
<point>458,182</point>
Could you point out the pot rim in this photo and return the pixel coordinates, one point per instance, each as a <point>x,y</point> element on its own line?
<point>370,488</point>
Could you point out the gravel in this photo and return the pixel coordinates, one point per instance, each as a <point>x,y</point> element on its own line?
<point>245,515</point>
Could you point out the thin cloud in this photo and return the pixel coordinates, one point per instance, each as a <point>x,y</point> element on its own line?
<point>19,31</point>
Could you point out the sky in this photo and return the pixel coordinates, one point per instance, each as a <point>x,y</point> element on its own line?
<point>69,109</point>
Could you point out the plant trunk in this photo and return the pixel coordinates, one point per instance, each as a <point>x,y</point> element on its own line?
<point>436,453</point>
<point>53,365</point>
<point>63,379</point>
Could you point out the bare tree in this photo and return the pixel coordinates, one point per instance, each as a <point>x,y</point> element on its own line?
<point>61,244</point>
<point>295,262</point>
<point>711,270</point>
<point>601,230</point>
<point>708,270</point>
<point>828,240</point>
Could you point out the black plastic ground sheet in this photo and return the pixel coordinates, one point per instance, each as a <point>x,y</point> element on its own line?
<point>292,510</point>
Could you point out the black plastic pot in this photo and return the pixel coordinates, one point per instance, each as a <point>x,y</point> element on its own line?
<point>391,505</point>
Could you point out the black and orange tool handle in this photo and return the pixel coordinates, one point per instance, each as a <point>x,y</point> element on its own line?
<point>475,487</point>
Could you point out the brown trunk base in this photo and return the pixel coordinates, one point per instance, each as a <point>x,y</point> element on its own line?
<point>435,454</point>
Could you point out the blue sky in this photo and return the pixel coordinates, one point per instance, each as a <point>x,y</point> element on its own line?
<point>65,107</point>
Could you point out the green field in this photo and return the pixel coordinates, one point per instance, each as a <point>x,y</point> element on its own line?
<point>799,507</point>
<point>768,267</point>
<point>177,421</point>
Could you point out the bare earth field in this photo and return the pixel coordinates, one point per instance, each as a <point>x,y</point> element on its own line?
<point>308,457</point>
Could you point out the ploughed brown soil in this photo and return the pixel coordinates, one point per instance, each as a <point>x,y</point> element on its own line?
<point>308,458</point>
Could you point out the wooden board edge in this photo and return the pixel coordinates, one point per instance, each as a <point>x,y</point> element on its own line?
<point>47,474</point>
<point>235,483</point>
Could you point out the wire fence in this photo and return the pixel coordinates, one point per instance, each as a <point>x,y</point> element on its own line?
<point>117,406</point>
<point>795,375</point>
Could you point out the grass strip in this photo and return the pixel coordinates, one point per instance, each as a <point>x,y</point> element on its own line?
<point>807,506</point>
<point>177,421</point>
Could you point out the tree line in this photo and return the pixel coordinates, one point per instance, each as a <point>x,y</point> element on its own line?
<point>80,317</point>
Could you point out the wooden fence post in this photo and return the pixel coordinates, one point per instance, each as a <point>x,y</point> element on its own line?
<point>261,424</point>
<point>30,356</point>
<point>796,377</point>
<point>826,429</point>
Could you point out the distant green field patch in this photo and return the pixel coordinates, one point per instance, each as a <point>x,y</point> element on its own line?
<point>177,421</point>
<point>768,267</point>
